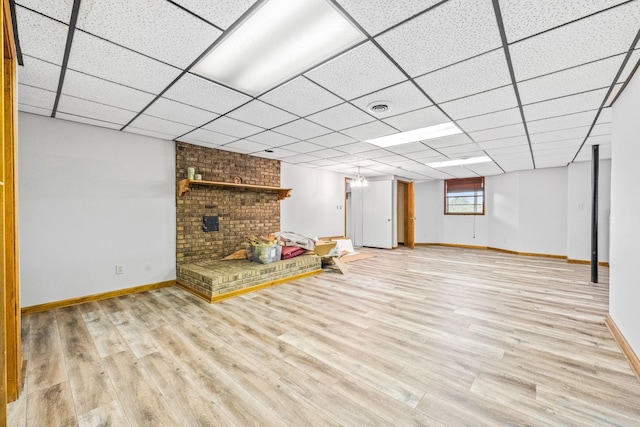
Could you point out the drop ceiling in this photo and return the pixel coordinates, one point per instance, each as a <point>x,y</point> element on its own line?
<point>526,81</point>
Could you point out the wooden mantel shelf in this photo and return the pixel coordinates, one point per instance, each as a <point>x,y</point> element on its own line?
<point>183,187</point>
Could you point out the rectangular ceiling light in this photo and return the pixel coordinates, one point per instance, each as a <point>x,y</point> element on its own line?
<point>279,40</point>
<point>459,162</point>
<point>431,132</point>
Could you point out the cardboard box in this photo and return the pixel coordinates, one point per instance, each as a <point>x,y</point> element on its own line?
<point>324,247</point>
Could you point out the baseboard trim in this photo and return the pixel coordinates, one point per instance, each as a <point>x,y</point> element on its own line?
<point>631,356</point>
<point>217,298</point>
<point>96,297</point>
<point>584,261</point>
<point>509,251</point>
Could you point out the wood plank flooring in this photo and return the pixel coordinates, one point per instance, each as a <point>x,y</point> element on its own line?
<point>437,336</point>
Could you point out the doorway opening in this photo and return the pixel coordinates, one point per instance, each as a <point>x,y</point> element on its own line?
<point>405,214</point>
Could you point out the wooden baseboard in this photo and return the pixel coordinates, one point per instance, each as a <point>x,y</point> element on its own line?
<point>509,251</point>
<point>584,261</point>
<point>221,297</point>
<point>631,356</point>
<point>96,297</point>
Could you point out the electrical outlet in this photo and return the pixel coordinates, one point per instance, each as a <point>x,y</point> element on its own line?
<point>119,269</point>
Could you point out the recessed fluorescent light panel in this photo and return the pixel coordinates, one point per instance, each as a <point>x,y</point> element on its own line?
<point>431,132</point>
<point>459,162</point>
<point>279,40</point>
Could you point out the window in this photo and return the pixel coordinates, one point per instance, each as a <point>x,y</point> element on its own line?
<point>464,196</point>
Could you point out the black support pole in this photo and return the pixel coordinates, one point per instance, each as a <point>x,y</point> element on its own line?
<point>595,161</point>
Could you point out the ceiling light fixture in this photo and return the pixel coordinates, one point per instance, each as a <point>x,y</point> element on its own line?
<point>359,181</point>
<point>459,162</point>
<point>431,132</point>
<point>281,39</point>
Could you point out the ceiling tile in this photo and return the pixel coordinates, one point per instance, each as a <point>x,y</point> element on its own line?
<point>300,158</point>
<point>102,59</point>
<point>559,135</point>
<point>595,75</point>
<point>246,146</point>
<point>631,64</point>
<point>357,147</point>
<point>273,139</point>
<point>602,129</point>
<point>562,122</point>
<point>39,73</point>
<point>332,140</point>
<point>341,117</point>
<point>452,32</point>
<point>301,96</point>
<point>60,9</point>
<point>222,13</point>
<point>94,110</point>
<point>328,153</point>
<point>35,110</point>
<point>159,125</point>
<point>41,37</point>
<point>369,131</point>
<point>417,119</point>
<point>208,137</point>
<point>277,153</point>
<point>167,109</point>
<point>302,129</point>
<point>428,156</point>
<point>201,93</point>
<point>448,141</point>
<point>95,89</point>
<point>485,169</point>
<point>498,133</point>
<point>94,122</point>
<point>233,127</point>
<point>409,148</point>
<point>373,154</point>
<point>401,98</point>
<point>482,103</point>
<point>157,29</point>
<point>506,142</point>
<point>359,71</point>
<point>36,97</point>
<point>500,152</point>
<point>491,120</point>
<point>513,165</point>
<point>581,42</point>
<point>598,140</point>
<point>303,147</point>
<point>261,114</point>
<point>567,105</point>
<point>606,116</point>
<point>323,162</point>
<point>478,74</point>
<point>151,133</point>
<point>461,151</point>
<point>526,18</point>
<point>376,16</point>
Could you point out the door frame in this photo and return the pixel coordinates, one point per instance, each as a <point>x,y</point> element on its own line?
<point>409,213</point>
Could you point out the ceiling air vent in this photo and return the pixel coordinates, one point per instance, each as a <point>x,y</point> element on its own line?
<point>379,106</point>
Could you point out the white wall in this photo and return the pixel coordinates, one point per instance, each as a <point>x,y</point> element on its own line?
<point>316,205</point>
<point>542,227</point>
<point>525,211</point>
<point>428,212</point>
<point>624,288</point>
<point>91,198</point>
<point>502,193</point>
<point>579,210</point>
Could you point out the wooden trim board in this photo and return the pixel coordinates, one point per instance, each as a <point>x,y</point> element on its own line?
<point>96,297</point>
<point>587,262</point>
<point>216,298</point>
<point>631,356</point>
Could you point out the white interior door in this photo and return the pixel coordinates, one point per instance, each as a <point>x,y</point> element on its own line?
<point>377,214</point>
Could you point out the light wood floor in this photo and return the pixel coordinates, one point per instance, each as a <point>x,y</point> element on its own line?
<point>437,336</point>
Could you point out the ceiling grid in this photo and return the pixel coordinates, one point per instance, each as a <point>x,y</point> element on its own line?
<point>525,82</point>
